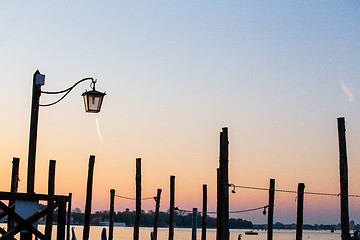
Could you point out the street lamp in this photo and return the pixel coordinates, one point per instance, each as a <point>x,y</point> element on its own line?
<point>92,99</point>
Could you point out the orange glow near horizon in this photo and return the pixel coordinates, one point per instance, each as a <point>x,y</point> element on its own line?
<point>188,189</point>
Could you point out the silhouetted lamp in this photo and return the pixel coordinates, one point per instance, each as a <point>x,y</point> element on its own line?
<point>264,212</point>
<point>93,100</point>
<point>232,185</point>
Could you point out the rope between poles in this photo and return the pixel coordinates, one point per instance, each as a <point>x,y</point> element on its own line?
<point>291,191</point>
<point>129,198</point>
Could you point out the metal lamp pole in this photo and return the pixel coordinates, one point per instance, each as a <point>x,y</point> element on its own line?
<point>37,83</point>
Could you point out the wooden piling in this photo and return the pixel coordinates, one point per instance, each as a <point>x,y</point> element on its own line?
<point>218,229</point>
<point>344,197</point>
<point>111,223</point>
<point>13,188</point>
<point>300,211</point>
<point>50,203</point>
<point>172,207</point>
<point>87,215</point>
<point>138,199</point>
<point>194,224</point>
<point>204,213</point>
<point>271,209</point>
<point>68,217</point>
<point>156,219</point>
<point>224,186</point>
<point>61,220</point>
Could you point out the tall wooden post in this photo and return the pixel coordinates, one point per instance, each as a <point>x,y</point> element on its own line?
<point>138,199</point>
<point>68,218</point>
<point>271,209</point>
<point>300,211</point>
<point>172,207</point>
<point>194,224</point>
<point>13,188</point>
<point>204,213</point>
<point>111,224</point>
<point>344,200</point>
<point>224,185</point>
<point>51,192</point>
<point>87,215</point>
<point>61,220</point>
<point>218,229</point>
<point>157,207</point>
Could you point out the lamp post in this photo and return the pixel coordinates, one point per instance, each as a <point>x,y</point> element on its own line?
<point>92,100</point>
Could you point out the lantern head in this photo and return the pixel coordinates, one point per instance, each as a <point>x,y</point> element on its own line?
<point>93,100</point>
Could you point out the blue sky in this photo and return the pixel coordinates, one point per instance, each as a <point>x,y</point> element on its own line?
<point>175,73</point>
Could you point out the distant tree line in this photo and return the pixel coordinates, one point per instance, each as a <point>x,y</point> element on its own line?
<point>147,219</point>
<point>292,226</point>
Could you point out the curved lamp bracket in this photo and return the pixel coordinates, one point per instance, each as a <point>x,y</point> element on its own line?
<point>67,91</point>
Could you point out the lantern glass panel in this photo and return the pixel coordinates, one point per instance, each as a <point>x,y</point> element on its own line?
<point>93,101</point>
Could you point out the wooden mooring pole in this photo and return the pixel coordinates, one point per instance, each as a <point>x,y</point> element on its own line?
<point>271,209</point>
<point>157,208</point>
<point>300,211</point>
<point>138,199</point>
<point>204,213</point>
<point>61,220</point>
<point>87,215</point>
<point>68,218</point>
<point>194,224</point>
<point>13,188</point>
<point>344,197</point>
<point>111,223</point>
<point>51,192</point>
<point>218,229</point>
<point>223,197</point>
<point>172,207</point>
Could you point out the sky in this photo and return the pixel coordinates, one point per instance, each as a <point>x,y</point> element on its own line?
<point>278,74</point>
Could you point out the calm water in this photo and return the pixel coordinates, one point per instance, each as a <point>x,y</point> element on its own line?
<point>126,233</point>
